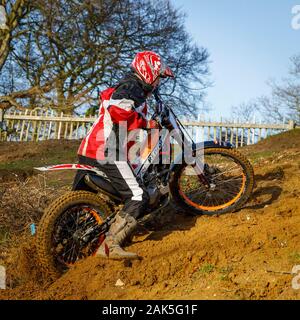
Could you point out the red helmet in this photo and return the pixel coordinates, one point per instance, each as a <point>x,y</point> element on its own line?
<point>149,66</point>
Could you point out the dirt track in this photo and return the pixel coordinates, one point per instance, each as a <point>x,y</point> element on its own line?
<point>245,255</point>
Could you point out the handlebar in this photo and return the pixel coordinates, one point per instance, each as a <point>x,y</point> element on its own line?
<point>161,111</point>
<point>164,112</point>
<point>157,95</point>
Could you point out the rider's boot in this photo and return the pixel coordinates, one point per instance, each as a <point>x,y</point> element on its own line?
<point>120,230</point>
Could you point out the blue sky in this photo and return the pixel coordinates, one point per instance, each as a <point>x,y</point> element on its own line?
<point>250,42</point>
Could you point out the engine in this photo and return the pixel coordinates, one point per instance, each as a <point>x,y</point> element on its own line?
<point>155,185</point>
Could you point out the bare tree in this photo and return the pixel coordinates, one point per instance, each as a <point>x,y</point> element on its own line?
<point>295,69</point>
<point>245,112</point>
<point>12,12</point>
<point>284,102</point>
<point>68,50</point>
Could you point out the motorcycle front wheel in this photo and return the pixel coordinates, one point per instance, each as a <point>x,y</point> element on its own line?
<point>230,176</point>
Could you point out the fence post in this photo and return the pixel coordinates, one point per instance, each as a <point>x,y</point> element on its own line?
<point>242,137</point>
<point>50,124</point>
<point>231,135</point>
<point>59,127</point>
<point>34,124</point>
<point>71,131</point>
<point>291,125</point>
<point>76,130</point>
<point>215,133</point>
<point>248,137</point>
<point>23,126</point>
<point>259,136</point>
<point>38,131</point>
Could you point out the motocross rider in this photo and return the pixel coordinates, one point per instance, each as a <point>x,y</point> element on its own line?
<point>123,103</point>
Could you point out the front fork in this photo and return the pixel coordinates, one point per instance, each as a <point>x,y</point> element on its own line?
<point>199,167</point>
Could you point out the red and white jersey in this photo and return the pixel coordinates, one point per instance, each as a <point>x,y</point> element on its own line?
<point>113,112</point>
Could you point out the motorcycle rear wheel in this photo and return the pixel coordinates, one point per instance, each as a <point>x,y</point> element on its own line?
<point>62,224</point>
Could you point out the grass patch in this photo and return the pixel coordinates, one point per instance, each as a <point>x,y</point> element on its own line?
<point>207,268</point>
<point>225,272</point>
<point>255,156</point>
<point>4,237</point>
<point>295,257</point>
<point>49,159</point>
<point>21,164</point>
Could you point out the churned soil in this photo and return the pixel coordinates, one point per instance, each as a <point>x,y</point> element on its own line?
<point>248,254</point>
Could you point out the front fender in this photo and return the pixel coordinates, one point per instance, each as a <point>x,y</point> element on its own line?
<point>180,159</point>
<point>213,144</point>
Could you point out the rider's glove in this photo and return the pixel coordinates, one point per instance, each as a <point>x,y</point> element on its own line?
<point>152,124</point>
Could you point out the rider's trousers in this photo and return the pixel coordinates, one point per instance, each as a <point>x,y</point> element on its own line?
<point>122,177</point>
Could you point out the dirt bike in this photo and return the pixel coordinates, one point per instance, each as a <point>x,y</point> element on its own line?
<point>204,178</point>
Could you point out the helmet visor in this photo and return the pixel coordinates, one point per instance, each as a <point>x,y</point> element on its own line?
<point>165,71</point>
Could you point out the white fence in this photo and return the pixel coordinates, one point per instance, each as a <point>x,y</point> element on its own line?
<point>39,124</point>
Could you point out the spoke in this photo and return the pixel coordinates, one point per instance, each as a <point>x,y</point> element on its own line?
<point>229,192</point>
<point>228,181</point>
<point>230,178</point>
<point>69,260</point>
<point>74,252</point>
<point>212,202</point>
<point>205,198</point>
<point>66,228</point>
<point>228,186</point>
<point>232,169</point>
<point>66,252</point>
<point>230,198</point>
<point>75,220</point>
<point>196,190</point>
